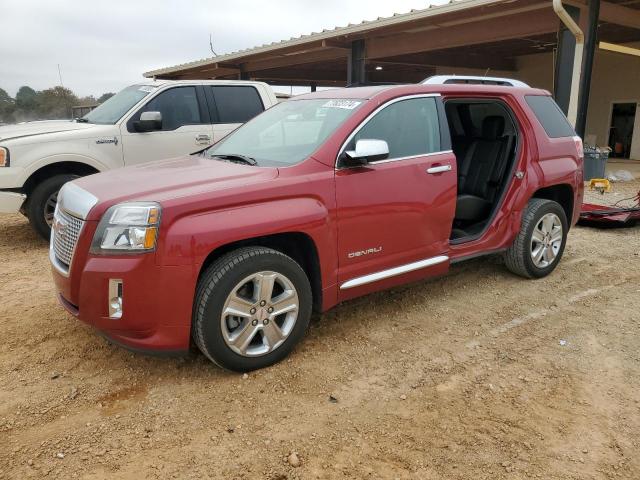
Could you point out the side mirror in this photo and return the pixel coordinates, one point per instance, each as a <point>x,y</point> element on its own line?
<point>367,150</point>
<point>149,121</point>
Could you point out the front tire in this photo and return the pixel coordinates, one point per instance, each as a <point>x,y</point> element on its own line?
<point>539,246</point>
<point>252,306</point>
<point>42,203</point>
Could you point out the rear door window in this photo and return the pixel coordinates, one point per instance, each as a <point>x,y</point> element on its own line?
<point>410,127</point>
<point>235,104</point>
<point>550,116</point>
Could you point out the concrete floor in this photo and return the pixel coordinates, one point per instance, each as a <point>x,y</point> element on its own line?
<point>633,166</point>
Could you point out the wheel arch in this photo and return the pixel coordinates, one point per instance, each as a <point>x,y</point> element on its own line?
<point>562,194</point>
<point>57,168</point>
<point>297,245</point>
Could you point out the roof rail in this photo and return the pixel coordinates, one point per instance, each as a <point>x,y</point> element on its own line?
<point>444,79</point>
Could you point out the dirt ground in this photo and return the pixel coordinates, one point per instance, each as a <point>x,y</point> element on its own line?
<point>478,375</point>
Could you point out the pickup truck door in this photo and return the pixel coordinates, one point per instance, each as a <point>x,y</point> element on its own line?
<point>186,127</point>
<point>395,215</point>
<point>230,106</point>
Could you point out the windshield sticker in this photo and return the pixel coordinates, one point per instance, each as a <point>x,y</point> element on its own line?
<point>147,88</point>
<point>346,104</point>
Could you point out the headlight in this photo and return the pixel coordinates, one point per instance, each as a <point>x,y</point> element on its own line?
<point>4,157</point>
<point>130,227</point>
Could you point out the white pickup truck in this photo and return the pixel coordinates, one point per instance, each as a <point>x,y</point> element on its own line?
<point>144,122</point>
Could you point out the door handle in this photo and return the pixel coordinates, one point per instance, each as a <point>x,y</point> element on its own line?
<point>203,138</point>
<point>439,169</point>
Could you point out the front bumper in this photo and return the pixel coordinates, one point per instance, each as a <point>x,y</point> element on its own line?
<point>156,300</point>
<point>11,202</point>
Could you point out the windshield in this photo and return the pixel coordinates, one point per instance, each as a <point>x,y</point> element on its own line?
<point>287,133</point>
<point>113,109</point>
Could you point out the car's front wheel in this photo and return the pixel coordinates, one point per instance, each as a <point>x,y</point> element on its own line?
<point>252,306</point>
<point>540,243</point>
<point>42,203</point>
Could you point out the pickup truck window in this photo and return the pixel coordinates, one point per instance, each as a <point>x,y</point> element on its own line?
<point>235,104</point>
<point>287,133</point>
<point>178,106</point>
<point>410,127</point>
<point>113,109</point>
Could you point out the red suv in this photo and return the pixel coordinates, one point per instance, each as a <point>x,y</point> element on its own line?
<point>320,199</point>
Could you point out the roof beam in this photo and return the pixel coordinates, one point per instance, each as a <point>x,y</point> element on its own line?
<point>285,49</point>
<point>218,70</point>
<point>339,77</point>
<point>612,47</point>
<point>209,71</point>
<point>624,16</point>
<point>613,13</point>
<point>485,31</point>
<point>307,75</point>
<point>450,59</point>
<point>301,82</point>
<point>292,60</point>
<point>400,76</point>
<point>330,43</point>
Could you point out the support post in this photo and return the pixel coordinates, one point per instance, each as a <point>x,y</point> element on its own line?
<point>587,67</point>
<point>356,74</point>
<point>564,62</point>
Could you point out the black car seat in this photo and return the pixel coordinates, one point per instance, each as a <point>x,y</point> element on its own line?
<point>482,170</point>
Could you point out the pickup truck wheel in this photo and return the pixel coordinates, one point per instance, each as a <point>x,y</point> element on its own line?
<point>252,306</point>
<point>42,203</point>
<point>538,247</point>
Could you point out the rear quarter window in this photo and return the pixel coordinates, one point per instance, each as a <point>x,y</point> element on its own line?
<point>550,116</point>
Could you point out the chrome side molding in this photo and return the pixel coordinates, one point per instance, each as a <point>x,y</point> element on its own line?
<point>392,272</point>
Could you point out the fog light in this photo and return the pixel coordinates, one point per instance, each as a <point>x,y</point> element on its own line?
<point>115,298</point>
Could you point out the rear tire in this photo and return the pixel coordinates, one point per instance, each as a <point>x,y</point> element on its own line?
<point>42,202</point>
<point>252,306</point>
<point>539,246</point>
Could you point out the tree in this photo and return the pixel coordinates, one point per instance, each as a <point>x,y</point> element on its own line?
<point>56,102</point>
<point>105,96</point>
<point>49,104</point>
<point>89,100</point>
<point>26,98</point>
<point>7,106</point>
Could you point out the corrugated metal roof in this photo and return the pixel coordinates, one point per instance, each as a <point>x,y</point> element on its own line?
<point>396,18</point>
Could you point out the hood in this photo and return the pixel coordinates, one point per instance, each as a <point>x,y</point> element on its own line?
<point>164,180</point>
<point>28,129</point>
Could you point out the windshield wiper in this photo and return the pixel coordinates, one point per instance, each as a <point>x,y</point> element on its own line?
<point>82,120</point>
<point>235,157</point>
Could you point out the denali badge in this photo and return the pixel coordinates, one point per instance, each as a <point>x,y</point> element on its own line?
<point>361,253</point>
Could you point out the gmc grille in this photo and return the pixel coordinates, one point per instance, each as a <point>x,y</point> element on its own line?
<point>64,236</point>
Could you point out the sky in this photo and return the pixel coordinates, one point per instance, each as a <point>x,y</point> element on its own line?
<point>103,46</point>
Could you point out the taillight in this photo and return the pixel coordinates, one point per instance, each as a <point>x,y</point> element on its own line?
<point>579,147</point>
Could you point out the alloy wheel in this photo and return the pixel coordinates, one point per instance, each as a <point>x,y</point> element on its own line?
<point>50,208</point>
<point>546,240</point>
<point>259,314</point>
